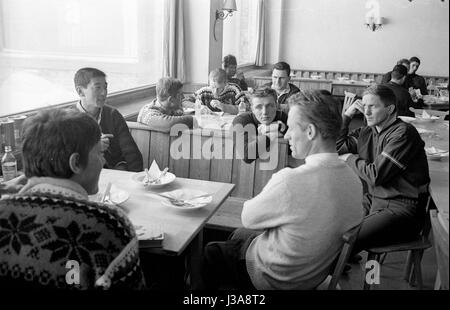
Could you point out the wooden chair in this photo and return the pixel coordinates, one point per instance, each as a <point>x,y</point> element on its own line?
<point>440,237</point>
<point>348,101</point>
<point>349,238</point>
<point>415,248</point>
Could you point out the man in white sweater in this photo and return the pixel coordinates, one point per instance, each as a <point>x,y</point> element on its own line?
<point>302,212</point>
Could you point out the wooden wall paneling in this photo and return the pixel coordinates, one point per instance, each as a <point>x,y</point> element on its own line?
<point>180,167</point>
<point>243,176</point>
<point>199,168</point>
<point>142,139</point>
<point>160,149</point>
<point>222,168</point>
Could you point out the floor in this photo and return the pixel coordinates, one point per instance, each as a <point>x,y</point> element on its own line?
<point>391,273</point>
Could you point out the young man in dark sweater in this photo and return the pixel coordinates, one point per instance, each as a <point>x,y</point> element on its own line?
<point>389,157</point>
<point>120,150</point>
<point>264,124</point>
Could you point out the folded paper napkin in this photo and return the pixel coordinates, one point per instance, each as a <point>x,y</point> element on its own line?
<point>190,196</point>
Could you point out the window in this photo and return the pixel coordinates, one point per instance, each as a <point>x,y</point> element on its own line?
<point>244,24</point>
<point>43,43</point>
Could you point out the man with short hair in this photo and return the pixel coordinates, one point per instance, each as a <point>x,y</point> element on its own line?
<point>166,110</point>
<point>233,76</point>
<point>298,219</point>
<point>268,123</point>
<point>404,101</point>
<point>220,96</point>
<point>388,155</point>
<point>416,81</point>
<point>387,77</point>
<point>120,150</point>
<point>281,75</point>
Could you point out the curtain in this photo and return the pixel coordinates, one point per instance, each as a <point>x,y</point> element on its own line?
<point>174,62</point>
<point>260,36</point>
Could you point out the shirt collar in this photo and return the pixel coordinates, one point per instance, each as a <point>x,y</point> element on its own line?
<point>320,158</point>
<point>55,186</point>
<point>83,110</point>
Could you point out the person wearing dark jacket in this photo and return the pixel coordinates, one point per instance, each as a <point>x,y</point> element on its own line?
<point>416,81</point>
<point>262,126</point>
<point>389,157</point>
<point>120,150</point>
<point>404,101</point>
<point>281,75</point>
<point>388,76</point>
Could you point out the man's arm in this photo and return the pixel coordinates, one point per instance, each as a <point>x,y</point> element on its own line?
<point>401,146</point>
<point>348,143</point>
<point>128,147</point>
<point>268,209</point>
<point>159,121</point>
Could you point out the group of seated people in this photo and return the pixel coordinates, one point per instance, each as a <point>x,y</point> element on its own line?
<point>292,229</point>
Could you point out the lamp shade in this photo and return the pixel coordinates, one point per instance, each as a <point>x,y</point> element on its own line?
<point>229,5</point>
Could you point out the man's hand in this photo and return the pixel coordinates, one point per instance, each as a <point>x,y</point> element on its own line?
<point>356,106</point>
<point>271,131</point>
<point>13,186</point>
<point>216,104</point>
<point>105,141</point>
<point>344,156</point>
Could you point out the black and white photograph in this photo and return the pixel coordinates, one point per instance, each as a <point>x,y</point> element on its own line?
<point>222,152</point>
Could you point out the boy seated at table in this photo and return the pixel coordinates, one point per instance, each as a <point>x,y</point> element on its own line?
<point>220,96</point>
<point>166,110</point>
<point>268,124</point>
<point>229,64</point>
<point>53,218</point>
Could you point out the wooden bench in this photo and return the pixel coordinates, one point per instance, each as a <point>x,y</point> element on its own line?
<point>249,179</point>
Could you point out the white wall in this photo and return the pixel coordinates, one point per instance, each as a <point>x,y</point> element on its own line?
<point>203,53</point>
<point>330,35</point>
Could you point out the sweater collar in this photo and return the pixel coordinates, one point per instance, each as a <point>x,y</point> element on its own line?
<point>54,186</point>
<point>320,158</point>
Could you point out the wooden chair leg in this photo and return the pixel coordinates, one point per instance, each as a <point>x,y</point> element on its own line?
<point>383,258</point>
<point>408,267</point>
<point>370,256</point>
<point>437,283</point>
<point>416,276</point>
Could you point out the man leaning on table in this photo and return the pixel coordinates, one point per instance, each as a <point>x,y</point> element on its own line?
<point>120,150</point>
<point>166,110</point>
<point>267,123</point>
<point>293,228</point>
<point>389,157</point>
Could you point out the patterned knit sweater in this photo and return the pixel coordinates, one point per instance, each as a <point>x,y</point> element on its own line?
<point>160,119</point>
<point>230,95</point>
<point>50,228</point>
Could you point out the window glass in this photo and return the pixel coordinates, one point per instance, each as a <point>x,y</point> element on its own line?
<point>43,43</point>
<point>240,32</point>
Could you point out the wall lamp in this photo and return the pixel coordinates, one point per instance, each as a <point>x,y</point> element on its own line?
<point>229,6</point>
<point>374,23</point>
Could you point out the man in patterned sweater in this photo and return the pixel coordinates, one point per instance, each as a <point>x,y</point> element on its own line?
<point>220,96</point>
<point>166,110</point>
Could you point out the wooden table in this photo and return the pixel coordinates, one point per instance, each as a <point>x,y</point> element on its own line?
<point>439,172</point>
<point>180,226</point>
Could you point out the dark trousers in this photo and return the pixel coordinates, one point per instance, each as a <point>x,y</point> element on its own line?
<point>390,221</point>
<point>224,264</point>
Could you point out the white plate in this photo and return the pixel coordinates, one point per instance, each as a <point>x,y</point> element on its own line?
<point>435,153</point>
<point>186,195</point>
<point>407,119</point>
<point>166,179</point>
<point>342,78</point>
<point>117,195</point>
<point>426,120</point>
<point>367,80</point>
<point>315,77</point>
